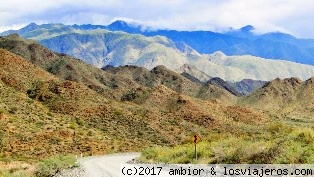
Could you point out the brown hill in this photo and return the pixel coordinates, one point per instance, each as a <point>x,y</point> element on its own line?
<point>63,116</point>
<point>60,65</point>
<point>210,114</point>
<point>289,98</point>
<point>160,75</point>
<point>41,115</point>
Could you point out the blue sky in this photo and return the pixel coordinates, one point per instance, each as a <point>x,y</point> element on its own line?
<point>290,16</point>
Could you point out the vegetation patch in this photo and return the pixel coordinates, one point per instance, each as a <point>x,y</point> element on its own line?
<point>53,165</point>
<point>278,144</point>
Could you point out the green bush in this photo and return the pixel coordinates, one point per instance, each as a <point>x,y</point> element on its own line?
<point>90,133</point>
<point>73,125</point>
<point>30,101</point>
<point>2,111</point>
<point>53,165</point>
<point>79,121</point>
<point>12,110</point>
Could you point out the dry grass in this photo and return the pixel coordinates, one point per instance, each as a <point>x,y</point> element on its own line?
<point>275,144</point>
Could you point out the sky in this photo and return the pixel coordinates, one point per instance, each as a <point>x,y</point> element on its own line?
<point>295,17</point>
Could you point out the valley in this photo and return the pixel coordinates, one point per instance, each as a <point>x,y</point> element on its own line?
<point>96,92</point>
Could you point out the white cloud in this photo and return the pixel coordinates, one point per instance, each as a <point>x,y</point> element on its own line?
<point>12,27</point>
<point>266,15</point>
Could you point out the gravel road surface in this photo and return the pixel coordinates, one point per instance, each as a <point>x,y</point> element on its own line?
<point>105,166</point>
<point>110,166</point>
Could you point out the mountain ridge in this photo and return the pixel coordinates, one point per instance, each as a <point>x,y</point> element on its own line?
<point>102,48</point>
<point>273,45</point>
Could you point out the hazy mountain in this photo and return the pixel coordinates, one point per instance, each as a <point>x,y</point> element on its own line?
<point>244,41</point>
<point>265,46</point>
<point>223,84</point>
<point>237,68</point>
<point>101,47</point>
<point>192,78</point>
<point>274,45</point>
<point>193,71</point>
<point>51,103</point>
<point>247,86</point>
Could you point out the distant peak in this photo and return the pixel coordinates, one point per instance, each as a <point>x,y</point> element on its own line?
<point>119,23</point>
<point>130,27</point>
<point>219,54</point>
<point>30,27</point>
<point>247,28</point>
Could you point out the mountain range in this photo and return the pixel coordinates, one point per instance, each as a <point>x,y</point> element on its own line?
<point>100,47</point>
<point>133,83</point>
<point>244,41</point>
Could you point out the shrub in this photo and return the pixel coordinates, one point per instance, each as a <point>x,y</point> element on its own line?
<point>73,125</point>
<point>90,133</point>
<point>79,121</point>
<point>12,110</point>
<point>30,101</point>
<point>49,114</point>
<point>53,165</point>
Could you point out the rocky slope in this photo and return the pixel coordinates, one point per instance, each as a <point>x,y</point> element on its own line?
<point>289,98</point>
<point>42,114</point>
<point>160,75</point>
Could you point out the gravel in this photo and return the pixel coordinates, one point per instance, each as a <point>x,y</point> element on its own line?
<point>99,166</point>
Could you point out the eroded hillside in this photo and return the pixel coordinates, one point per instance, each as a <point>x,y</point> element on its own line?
<point>42,115</point>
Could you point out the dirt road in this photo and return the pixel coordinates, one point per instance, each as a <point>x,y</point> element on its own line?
<point>105,166</point>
